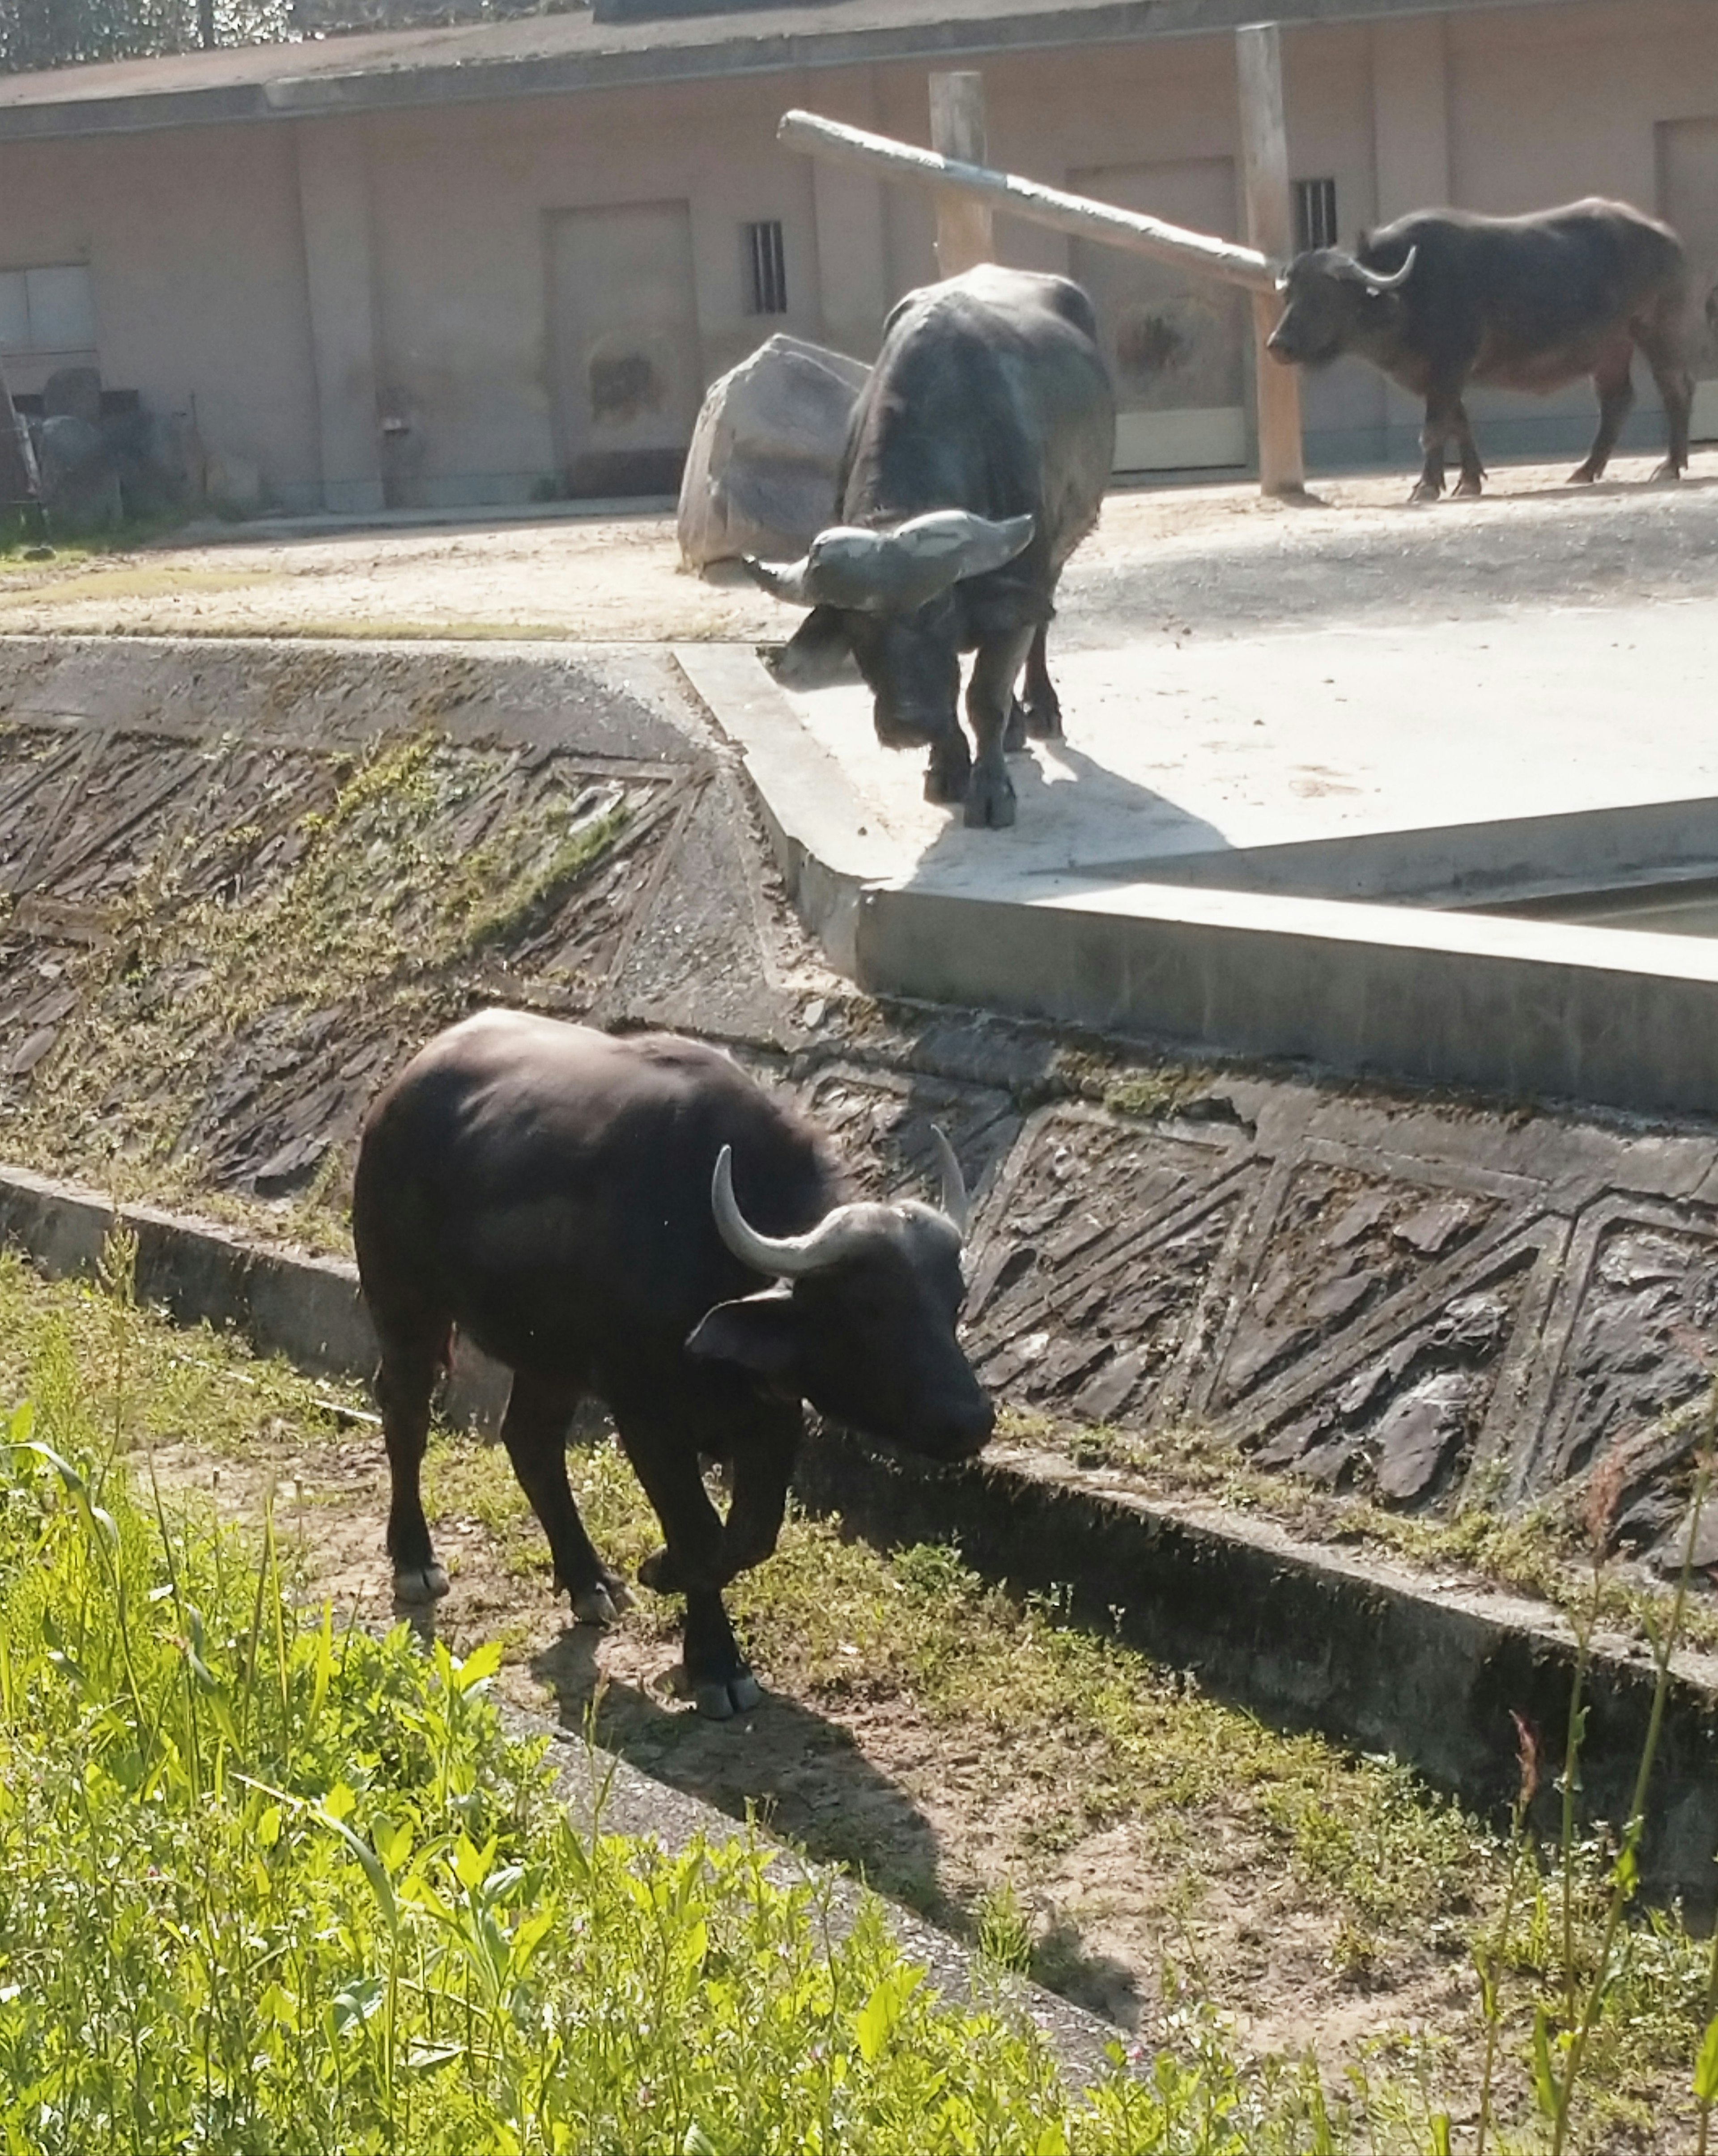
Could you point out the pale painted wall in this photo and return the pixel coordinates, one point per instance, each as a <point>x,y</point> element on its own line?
<point>307,282</point>
<point>196,255</point>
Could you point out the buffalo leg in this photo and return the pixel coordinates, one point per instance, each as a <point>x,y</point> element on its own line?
<point>413,1359</point>
<point>1468,449</point>
<point>1616,397</point>
<point>1044,706</point>
<point>534,1431</point>
<point>1441,409</point>
<point>947,775</point>
<point>763,1466</point>
<point>990,699</point>
<point>692,1564</point>
<point>1664,349</point>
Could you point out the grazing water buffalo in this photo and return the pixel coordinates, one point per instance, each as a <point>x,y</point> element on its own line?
<point>638,1220</point>
<point>976,463</point>
<point>1441,298</point>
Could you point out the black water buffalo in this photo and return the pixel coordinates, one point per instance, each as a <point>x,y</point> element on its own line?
<point>975,462</point>
<point>636,1219</point>
<point>1443,298</point>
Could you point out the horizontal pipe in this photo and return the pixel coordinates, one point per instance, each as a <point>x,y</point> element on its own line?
<point>1198,251</point>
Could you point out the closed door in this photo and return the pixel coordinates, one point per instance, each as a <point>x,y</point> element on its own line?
<point>1688,166</point>
<point>628,380</point>
<point>1175,346</point>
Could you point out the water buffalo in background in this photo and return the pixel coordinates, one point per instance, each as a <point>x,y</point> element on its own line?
<point>1443,298</point>
<point>638,1220</point>
<point>976,463</point>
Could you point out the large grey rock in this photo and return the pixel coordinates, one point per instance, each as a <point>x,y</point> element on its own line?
<point>761,476</point>
<point>80,488</point>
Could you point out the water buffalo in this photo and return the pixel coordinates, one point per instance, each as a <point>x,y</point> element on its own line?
<point>1443,298</point>
<point>975,462</point>
<point>636,1219</point>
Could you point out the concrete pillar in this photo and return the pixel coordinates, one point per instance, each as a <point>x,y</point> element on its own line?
<point>847,207</point>
<point>965,236</point>
<point>1410,115</point>
<point>1410,151</point>
<point>334,203</point>
<point>1270,228</point>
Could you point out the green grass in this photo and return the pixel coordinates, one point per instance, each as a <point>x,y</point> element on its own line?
<point>270,1884</point>
<point>1075,1732</point>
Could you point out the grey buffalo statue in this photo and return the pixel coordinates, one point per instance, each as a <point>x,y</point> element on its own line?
<point>1443,298</point>
<point>976,463</point>
<point>637,1220</point>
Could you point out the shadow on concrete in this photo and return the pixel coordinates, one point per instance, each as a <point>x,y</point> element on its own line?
<point>1062,824</point>
<point>800,1777</point>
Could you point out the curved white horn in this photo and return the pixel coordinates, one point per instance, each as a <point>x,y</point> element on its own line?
<point>1376,282</point>
<point>785,580</point>
<point>955,1203</point>
<point>782,1257</point>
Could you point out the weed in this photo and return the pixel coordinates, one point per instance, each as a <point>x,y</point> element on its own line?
<point>1005,1930</point>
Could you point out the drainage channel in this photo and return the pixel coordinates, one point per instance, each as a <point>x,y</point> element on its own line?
<point>1370,1654</point>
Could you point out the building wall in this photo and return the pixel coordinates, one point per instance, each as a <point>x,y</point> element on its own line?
<point>196,258</point>
<point>361,306</point>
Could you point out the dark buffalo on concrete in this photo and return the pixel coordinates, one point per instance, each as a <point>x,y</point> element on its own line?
<point>976,463</point>
<point>635,1220</point>
<point>1443,298</point>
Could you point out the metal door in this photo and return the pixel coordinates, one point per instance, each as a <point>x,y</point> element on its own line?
<point>625,334</point>
<point>1175,345</point>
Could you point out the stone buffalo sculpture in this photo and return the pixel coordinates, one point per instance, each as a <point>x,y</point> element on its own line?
<point>638,1220</point>
<point>1443,298</point>
<point>976,463</point>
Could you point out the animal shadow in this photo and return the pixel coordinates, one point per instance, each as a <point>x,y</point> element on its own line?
<point>802,1778</point>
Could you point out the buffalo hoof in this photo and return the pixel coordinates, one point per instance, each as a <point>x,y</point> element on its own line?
<point>948,774</point>
<point>1427,490</point>
<point>602,1602</point>
<point>1043,718</point>
<point>720,1702</point>
<point>417,1585</point>
<point>1583,475</point>
<point>1013,734</point>
<point>719,1699</point>
<point>989,799</point>
<point>1668,470</point>
<point>1466,489</point>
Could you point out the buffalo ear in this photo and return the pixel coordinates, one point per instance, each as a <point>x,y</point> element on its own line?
<point>761,1333</point>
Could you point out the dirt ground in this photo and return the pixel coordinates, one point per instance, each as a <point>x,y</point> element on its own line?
<point>1211,557</point>
<point>932,1810</point>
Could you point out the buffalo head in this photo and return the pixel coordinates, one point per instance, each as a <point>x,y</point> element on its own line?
<point>1333,304</point>
<point>861,1321</point>
<point>889,598</point>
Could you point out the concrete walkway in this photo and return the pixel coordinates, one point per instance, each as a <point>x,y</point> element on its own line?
<point>1358,760</point>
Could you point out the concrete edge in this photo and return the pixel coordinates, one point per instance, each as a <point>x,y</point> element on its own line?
<point>602,1789</point>
<point>1370,1654</point>
<point>1478,1000</point>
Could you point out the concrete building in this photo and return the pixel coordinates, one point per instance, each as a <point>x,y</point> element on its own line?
<point>498,263</point>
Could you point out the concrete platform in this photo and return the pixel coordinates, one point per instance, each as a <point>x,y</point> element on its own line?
<point>1441,761</point>
<point>1186,865</point>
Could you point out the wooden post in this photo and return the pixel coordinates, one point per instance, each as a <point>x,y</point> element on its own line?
<point>964,234</point>
<point>1264,159</point>
<point>1198,251</point>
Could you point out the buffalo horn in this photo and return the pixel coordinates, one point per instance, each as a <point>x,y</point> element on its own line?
<point>860,571</point>
<point>1376,282</point>
<point>782,581</point>
<point>782,1257</point>
<point>955,1199</point>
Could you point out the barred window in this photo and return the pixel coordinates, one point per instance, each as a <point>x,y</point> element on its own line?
<point>766,269</point>
<point>1315,214</point>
